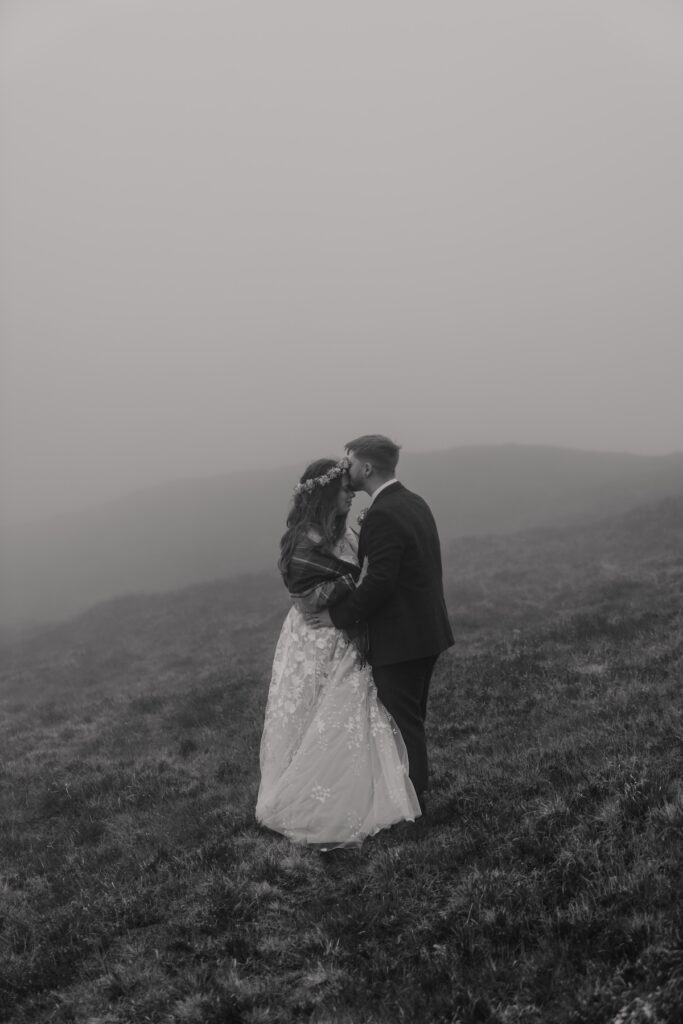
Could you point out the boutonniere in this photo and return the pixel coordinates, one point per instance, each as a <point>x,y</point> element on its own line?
<point>361,516</point>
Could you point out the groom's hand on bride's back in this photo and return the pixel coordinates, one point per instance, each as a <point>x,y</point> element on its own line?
<point>318,619</point>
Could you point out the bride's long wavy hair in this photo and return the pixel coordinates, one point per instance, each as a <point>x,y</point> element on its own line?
<point>317,509</point>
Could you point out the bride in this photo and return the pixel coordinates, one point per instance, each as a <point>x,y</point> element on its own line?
<point>334,768</point>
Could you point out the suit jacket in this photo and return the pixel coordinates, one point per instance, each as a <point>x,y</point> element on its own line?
<point>401,597</point>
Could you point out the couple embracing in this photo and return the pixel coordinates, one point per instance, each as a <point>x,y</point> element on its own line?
<point>343,751</point>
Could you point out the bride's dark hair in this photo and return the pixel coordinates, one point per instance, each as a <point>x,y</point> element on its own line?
<point>316,508</point>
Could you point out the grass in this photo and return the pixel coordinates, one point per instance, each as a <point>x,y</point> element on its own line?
<point>136,886</point>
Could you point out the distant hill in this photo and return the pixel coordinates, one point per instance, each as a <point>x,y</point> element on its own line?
<point>498,582</point>
<point>192,531</point>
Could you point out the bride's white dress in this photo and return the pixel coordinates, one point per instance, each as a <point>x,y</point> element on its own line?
<point>334,767</point>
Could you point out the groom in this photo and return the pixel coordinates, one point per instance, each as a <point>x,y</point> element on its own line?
<point>401,596</point>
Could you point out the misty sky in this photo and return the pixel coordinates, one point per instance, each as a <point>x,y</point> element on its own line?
<point>235,234</point>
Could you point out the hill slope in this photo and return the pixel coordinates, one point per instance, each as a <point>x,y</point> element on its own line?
<point>190,531</point>
<point>136,885</point>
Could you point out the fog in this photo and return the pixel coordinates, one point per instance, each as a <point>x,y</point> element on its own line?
<point>235,234</point>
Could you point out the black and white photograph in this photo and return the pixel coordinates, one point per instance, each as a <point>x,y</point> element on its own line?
<point>341,512</point>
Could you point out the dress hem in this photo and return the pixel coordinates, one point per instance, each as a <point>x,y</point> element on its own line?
<point>337,844</point>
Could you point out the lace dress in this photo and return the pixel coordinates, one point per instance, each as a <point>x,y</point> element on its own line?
<point>334,768</point>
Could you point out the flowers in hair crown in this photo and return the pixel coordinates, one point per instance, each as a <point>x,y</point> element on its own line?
<point>320,481</point>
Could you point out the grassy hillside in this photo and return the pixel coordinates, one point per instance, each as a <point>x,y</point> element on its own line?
<point>197,530</point>
<point>547,887</point>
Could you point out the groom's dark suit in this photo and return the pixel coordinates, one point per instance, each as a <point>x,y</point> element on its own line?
<point>401,599</point>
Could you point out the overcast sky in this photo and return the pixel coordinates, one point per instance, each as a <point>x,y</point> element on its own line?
<point>235,234</point>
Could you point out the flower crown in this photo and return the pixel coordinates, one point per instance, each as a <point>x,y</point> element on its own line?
<point>320,481</point>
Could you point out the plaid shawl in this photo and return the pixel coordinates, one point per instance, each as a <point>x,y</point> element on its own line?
<point>317,579</point>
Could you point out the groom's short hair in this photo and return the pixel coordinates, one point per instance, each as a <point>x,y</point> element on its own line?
<point>377,449</point>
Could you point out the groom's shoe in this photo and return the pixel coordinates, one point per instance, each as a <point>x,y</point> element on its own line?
<point>338,854</point>
<point>400,828</point>
<point>409,826</point>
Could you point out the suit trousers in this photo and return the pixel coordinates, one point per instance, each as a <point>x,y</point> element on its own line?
<point>403,689</point>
